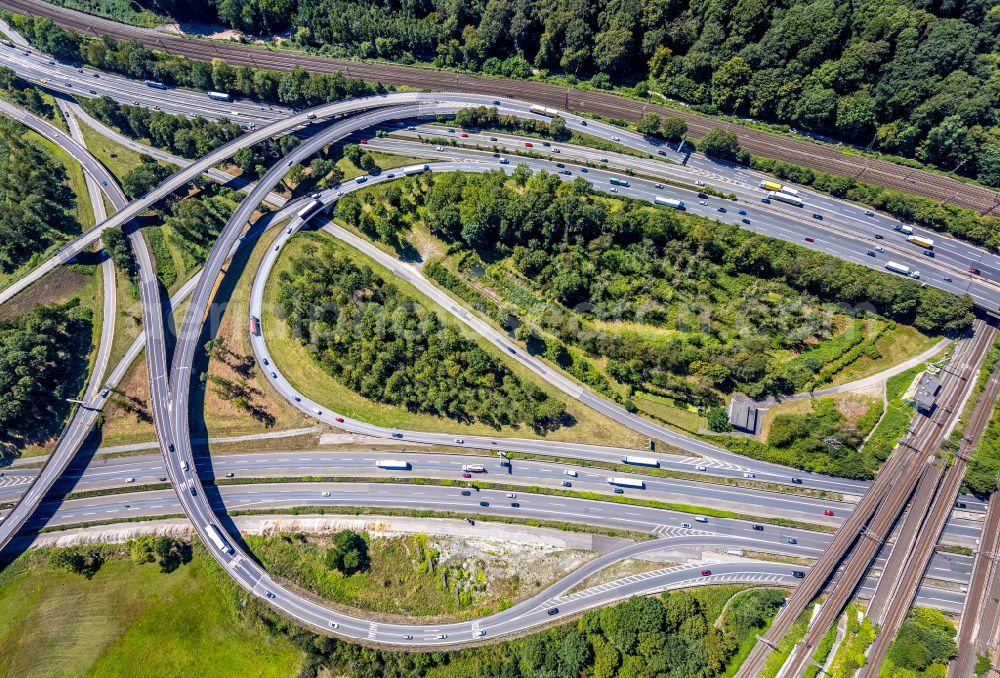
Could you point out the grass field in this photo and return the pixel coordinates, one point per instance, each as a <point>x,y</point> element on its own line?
<point>894,346</point>
<point>80,281</point>
<point>308,377</point>
<point>403,584</point>
<point>131,620</point>
<point>117,158</point>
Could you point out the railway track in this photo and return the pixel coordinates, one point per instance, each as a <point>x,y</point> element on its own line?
<point>863,533</point>
<point>890,605</point>
<point>958,376</point>
<point>812,154</point>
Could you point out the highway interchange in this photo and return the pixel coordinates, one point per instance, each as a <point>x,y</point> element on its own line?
<point>170,387</point>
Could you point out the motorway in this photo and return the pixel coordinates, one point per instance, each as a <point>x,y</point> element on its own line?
<point>170,391</point>
<point>114,473</point>
<point>775,220</point>
<point>946,574</point>
<point>86,415</point>
<point>804,152</point>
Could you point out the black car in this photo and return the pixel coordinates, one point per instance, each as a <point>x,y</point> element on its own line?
<point>818,216</point>
<point>703,195</point>
<point>797,481</point>
<point>759,528</point>
<point>871,253</point>
<point>619,490</point>
<point>553,610</point>
<point>879,236</point>
<point>798,574</point>
<point>661,152</point>
<point>929,253</point>
<point>484,503</point>
<point>559,164</point>
<point>743,211</point>
<point>466,493</point>
<point>170,447</point>
<point>722,209</point>
<point>746,221</point>
<point>514,504</point>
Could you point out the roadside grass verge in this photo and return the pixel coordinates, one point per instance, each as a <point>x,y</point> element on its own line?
<point>308,377</point>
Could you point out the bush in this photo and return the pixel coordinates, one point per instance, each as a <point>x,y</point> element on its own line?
<point>349,553</point>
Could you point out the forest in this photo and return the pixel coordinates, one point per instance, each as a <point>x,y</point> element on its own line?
<point>922,648</point>
<point>42,357</point>
<point>686,307</point>
<point>905,77</point>
<point>674,634</point>
<point>38,205</point>
<point>371,337</point>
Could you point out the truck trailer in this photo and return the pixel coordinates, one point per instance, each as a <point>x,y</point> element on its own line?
<point>627,482</point>
<point>640,461</point>
<point>669,202</point>
<point>926,243</point>
<point>393,464</point>
<point>785,197</point>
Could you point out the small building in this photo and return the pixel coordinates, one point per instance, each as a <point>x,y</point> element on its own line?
<point>743,415</point>
<point>923,391</point>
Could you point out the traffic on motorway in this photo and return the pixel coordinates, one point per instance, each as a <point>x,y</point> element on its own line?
<point>844,230</point>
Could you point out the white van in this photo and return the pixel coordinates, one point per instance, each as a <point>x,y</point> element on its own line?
<point>570,472</point>
<point>701,519</point>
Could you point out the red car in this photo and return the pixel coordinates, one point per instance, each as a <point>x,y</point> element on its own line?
<point>706,573</point>
<point>828,512</point>
<point>466,475</point>
<point>363,141</point>
<point>340,420</point>
<point>973,269</point>
<point>528,144</point>
<point>808,239</point>
<point>464,135</point>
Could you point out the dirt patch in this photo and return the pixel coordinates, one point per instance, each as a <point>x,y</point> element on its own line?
<point>852,407</point>
<point>127,416</point>
<point>58,286</point>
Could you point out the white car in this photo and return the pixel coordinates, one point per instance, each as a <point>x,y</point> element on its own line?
<point>334,625</point>
<point>317,411</point>
<point>749,475</point>
<point>511,495</point>
<point>616,139</point>
<point>480,633</point>
<point>459,440</point>
<point>700,468</point>
<point>702,202</point>
<point>326,494</point>
<point>438,148</point>
<point>614,190</point>
<point>441,636</point>
<point>699,183</point>
<point>130,480</point>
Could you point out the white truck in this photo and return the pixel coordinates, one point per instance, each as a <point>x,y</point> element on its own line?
<point>415,169</point>
<point>217,539</point>
<point>544,110</point>
<point>640,461</point>
<point>393,464</point>
<point>219,96</point>
<point>785,197</point>
<point>902,270</point>
<point>669,202</point>
<point>627,482</point>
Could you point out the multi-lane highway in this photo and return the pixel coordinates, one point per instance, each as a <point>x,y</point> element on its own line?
<point>804,152</point>
<point>86,414</point>
<point>170,389</point>
<point>956,257</point>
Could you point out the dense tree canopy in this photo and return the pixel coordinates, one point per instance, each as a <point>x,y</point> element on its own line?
<point>908,77</point>
<point>723,305</point>
<point>374,339</point>
<point>41,353</point>
<point>37,203</point>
